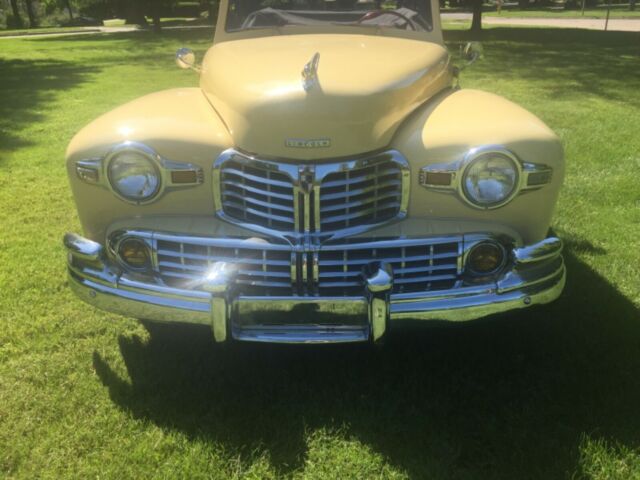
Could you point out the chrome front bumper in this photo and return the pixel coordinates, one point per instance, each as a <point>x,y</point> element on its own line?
<point>537,277</point>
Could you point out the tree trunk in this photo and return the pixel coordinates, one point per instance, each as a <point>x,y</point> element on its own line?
<point>67,4</point>
<point>213,12</point>
<point>135,15</point>
<point>33,21</point>
<point>156,18</point>
<point>632,5</point>
<point>16,14</point>
<point>476,22</point>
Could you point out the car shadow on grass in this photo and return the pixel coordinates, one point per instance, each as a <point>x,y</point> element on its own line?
<point>28,88</point>
<point>498,398</point>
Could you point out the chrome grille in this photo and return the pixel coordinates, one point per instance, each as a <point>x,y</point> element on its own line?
<point>360,196</point>
<point>323,199</point>
<point>267,269</point>
<point>417,265</point>
<point>263,270</point>
<point>257,194</point>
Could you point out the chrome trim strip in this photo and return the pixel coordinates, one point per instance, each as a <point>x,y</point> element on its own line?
<point>302,334</point>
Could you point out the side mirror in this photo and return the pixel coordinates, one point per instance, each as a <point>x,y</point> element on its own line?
<point>185,58</point>
<point>472,52</point>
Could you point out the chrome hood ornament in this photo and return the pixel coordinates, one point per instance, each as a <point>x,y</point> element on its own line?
<point>310,72</point>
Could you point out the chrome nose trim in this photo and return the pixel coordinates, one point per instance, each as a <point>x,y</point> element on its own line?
<point>82,248</point>
<point>546,249</point>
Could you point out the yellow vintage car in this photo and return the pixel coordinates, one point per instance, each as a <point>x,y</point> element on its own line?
<point>327,181</point>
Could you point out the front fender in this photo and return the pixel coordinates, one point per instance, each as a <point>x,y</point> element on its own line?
<point>449,126</point>
<point>179,124</point>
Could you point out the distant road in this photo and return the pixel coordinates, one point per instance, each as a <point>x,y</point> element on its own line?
<point>619,24</point>
<point>101,30</point>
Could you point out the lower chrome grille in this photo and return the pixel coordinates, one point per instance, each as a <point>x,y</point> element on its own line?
<point>267,269</point>
<point>263,270</point>
<point>418,265</point>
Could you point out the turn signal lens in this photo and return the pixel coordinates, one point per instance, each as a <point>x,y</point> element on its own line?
<point>440,179</point>
<point>485,258</point>
<point>134,253</point>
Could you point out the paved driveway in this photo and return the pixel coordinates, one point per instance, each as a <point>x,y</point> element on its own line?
<point>619,24</point>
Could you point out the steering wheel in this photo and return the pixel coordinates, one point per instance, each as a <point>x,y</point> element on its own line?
<point>377,13</point>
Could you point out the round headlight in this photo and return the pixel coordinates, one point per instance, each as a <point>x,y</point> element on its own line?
<point>134,176</point>
<point>490,180</point>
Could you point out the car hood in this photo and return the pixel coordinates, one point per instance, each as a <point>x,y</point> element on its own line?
<point>366,86</point>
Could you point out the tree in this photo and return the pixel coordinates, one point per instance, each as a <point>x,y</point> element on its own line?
<point>155,14</point>
<point>213,12</point>
<point>17,19</point>
<point>476,22</point>
<point>67,5</point>
<point>33,20</point>
<point>135,13</point>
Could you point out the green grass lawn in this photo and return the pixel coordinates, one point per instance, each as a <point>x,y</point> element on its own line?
<point>553,392</point>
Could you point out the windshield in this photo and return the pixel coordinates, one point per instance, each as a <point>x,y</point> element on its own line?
<point>401,14</point>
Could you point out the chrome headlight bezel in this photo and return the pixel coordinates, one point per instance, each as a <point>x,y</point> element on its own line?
<point>486,154</point>
<point>170,174</point>
<point>451,177</point>
<point>146,154</point>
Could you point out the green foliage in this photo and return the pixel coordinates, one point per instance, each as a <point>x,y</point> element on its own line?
<point>551,392</point>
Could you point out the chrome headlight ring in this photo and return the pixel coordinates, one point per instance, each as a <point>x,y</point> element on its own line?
<point>142,174</point>
<point>490,177</point>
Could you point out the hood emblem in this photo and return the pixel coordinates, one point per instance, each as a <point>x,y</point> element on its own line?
<point>307,142</point>
<point>310,73</point>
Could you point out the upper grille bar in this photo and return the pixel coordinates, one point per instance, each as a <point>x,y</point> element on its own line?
<point>325,200</point>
